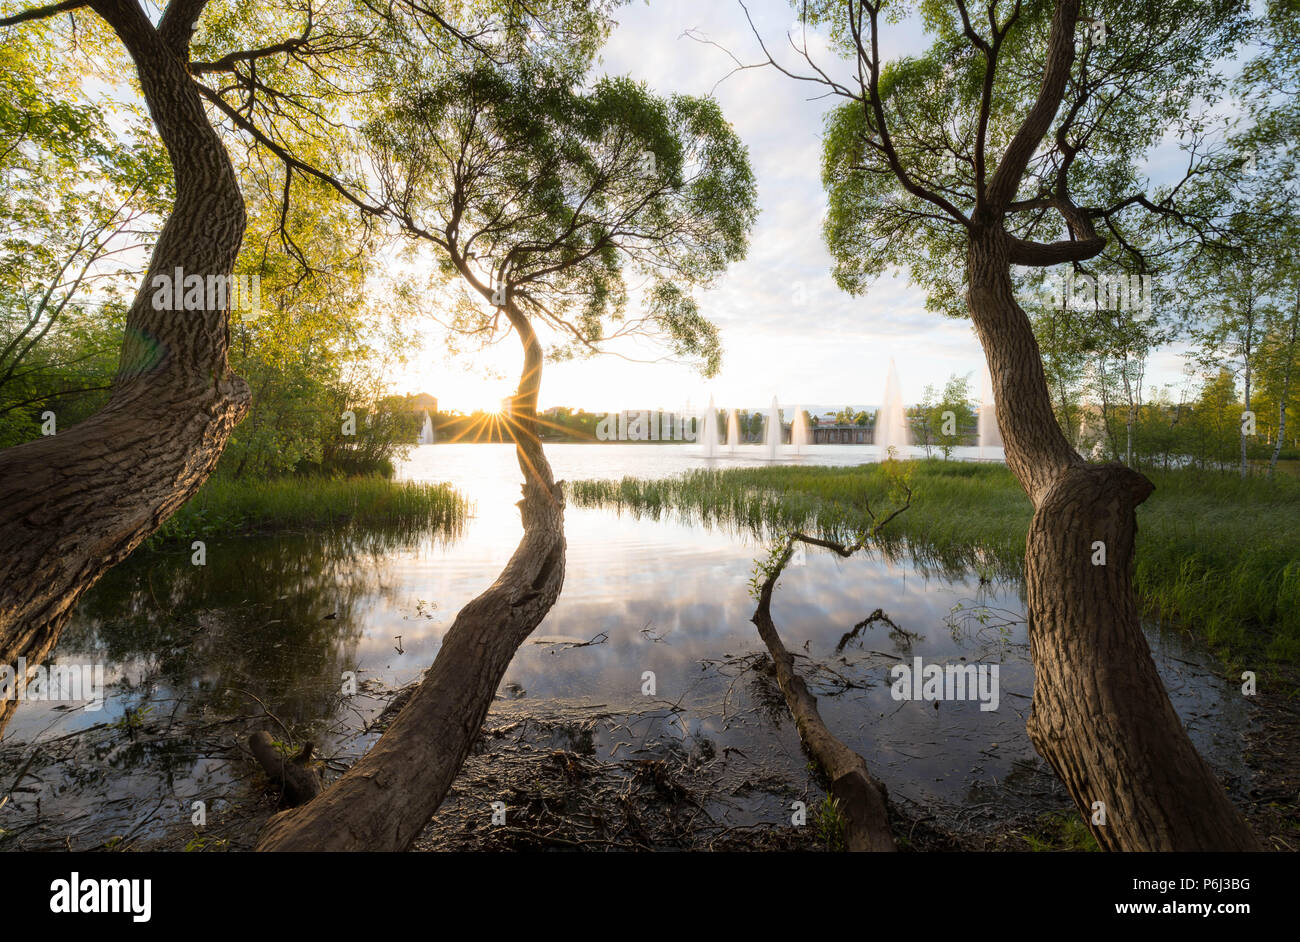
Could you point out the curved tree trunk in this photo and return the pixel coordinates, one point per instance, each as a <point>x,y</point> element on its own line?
<point>74,504</point>
<point>384,801</point>
<point>1101,716</point>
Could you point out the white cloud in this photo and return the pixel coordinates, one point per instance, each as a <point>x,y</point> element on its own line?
<point>831,347</point>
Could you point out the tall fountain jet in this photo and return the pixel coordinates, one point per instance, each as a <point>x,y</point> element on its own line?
<point>426,433</point>
<point>891,420</point>
<point>709,431</point>
<point>990,436</point>
<point>733,432</point>
<point>798,429</point>
<point>773,430</point>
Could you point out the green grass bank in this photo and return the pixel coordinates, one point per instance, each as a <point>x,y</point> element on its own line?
<point>1216,555</point>
<point>224,507</point>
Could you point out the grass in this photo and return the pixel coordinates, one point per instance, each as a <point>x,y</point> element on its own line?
<point>831,825</point>
<point>1062,831</point>
<point>225,507</point>
<point>1216,555</point>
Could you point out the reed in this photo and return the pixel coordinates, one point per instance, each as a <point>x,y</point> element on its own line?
<point>225,507</point>
<point>1216,555</point>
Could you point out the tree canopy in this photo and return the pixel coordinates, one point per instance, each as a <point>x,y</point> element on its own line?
<point>563,202</point>
<point>903,195</point>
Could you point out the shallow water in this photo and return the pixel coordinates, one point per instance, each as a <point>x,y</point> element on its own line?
<point>276,621</point>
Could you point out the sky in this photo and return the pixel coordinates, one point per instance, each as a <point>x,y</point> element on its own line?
<point>787,330</point>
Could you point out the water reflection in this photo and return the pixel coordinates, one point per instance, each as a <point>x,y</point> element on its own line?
<point>190,651</point>
<point>279,617</point>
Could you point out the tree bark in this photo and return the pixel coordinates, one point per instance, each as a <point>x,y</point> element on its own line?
<point>1101,716</point>
<point>384,801</point>
<point>296,778</point>
<point>74,504</point>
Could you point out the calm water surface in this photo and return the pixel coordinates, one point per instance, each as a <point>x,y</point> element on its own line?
<point>274,622</point>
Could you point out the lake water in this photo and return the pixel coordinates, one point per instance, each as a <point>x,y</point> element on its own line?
<point>274,622</point>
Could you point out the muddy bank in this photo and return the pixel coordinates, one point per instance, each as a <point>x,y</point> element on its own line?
<point>585,776</point>
<point>671,792</point>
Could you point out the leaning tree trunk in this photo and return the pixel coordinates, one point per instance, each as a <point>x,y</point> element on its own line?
<point>74,504</point>
<point>1101,716</point>
<point>384,801</point>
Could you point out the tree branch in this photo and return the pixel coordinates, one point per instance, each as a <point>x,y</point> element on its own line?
<point>1043,254</point>
<point>1060,57</point>
<point>177,24</point>
<point>40,13</point>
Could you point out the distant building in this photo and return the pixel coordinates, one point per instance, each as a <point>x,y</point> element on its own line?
<point>840,433</point>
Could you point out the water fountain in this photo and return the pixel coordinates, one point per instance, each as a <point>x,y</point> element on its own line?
<point>798,429</point>
<point>773,430</point>
<point>990,436</point>
<point>709,431</point>
<point>733,432</point>
<point>426,433</point>
<point>891,420</point>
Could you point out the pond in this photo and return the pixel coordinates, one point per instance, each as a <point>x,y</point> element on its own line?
<point>196,656</point>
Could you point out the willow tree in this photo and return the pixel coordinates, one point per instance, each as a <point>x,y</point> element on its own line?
<point>1015,142</point>
<point>553,212</point>
<point>78,502</point>
<point>284,75</point>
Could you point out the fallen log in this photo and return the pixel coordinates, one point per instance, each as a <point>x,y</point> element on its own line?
<point>862,798</point>
<point>297,780</point>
